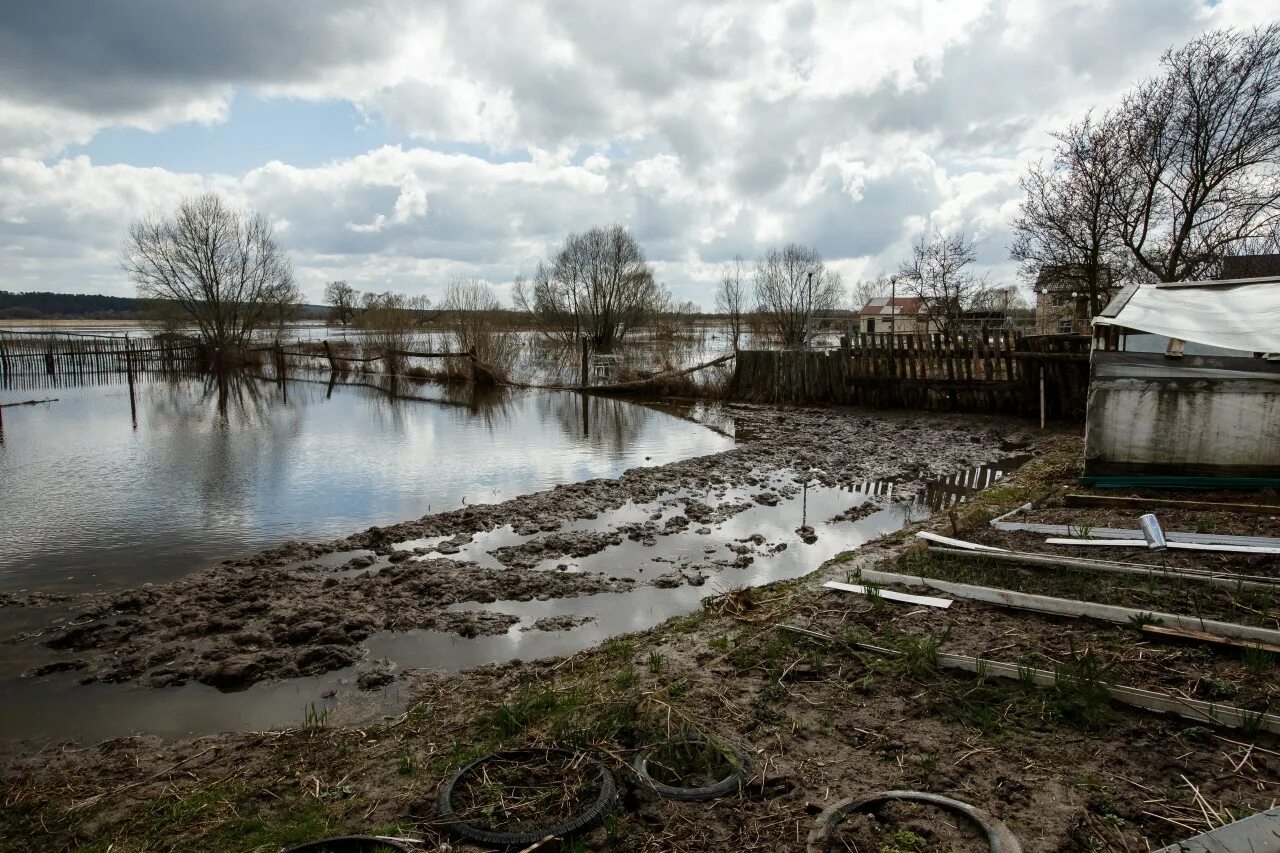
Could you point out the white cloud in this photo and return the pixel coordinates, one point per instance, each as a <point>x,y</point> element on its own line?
<point>708,128</point>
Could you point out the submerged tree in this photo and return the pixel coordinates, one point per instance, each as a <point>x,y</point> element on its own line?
<point>390,321</point>
<point>792,287</point>
<point>731,297</point>
<point>343,298</point>
<point>598,286</point>
<point>472,316</point>
<point>220,268</point>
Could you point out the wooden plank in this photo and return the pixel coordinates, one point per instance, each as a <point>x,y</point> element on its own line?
<point>956,543</point>
<point>1192,709</point>
<point>1226,580</point>
<point>1126,533</point>
<point>890,595</point>
<point>1147,504</point>
<point>1180,546</point>
<point>1206,637</point>
<point>1072,607</point>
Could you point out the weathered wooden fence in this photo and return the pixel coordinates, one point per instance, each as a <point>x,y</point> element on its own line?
<point>26,355</point>
<point>996,372</point>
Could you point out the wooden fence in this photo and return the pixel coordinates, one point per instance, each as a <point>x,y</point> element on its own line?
<point>26,355</point>
<point>997,372</point>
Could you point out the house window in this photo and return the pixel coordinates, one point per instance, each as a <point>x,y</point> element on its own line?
<point>1065,326</point>
<point>1059,300</point>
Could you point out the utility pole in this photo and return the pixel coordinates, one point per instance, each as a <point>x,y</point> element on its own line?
<point>808,308</point>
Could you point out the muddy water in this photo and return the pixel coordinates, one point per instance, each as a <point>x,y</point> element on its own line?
<point>94,493</point>
<point>813,522</point>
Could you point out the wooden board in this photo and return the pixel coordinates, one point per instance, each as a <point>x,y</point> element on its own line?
<point>1147,504</point>
<point>1180,546</point>
<point>890,595</point>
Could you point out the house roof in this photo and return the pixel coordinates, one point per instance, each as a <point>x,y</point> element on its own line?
<point>901,306</point>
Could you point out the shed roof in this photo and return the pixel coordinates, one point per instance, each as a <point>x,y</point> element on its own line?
<point>902,306</point>
<point>1239,314</point>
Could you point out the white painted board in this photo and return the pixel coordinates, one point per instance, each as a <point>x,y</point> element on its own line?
<point>890,595</point>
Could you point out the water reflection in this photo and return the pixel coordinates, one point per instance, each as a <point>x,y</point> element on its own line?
<point>221,467</point>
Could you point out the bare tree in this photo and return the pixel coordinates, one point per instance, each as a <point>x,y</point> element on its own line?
<point>343,298</point>
<point>1198,148</point>
<point>1065,226</point>
<point>731,297</point>
<point>793,286</point>
<point>598,285</point>
<point>864,290</point>
<point>939,274</point>
<point>390,321</point>
<point>221,267</point>
<point>471,313</point>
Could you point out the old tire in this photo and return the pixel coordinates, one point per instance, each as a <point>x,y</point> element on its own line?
<point>999,838</point>
<point>351,844</point>
<point>730,784</point>
<point>591,817</point>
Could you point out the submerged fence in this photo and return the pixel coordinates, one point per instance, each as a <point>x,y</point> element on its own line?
<point>994,372</point>
<point>24,355</point>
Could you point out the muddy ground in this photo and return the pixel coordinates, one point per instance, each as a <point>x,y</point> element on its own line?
<point>823,717</point>
<point>307,608</point>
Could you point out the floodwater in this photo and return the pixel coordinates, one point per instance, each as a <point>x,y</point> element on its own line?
<point>96,494</point>
<point>56,707</point>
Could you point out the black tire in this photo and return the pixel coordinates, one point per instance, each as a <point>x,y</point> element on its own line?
<point>351,844</point>
<point>588,819</point>
<point>730,784</point>
<point>999,838</point>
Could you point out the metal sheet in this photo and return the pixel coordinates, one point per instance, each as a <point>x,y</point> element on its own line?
<point>1244,317</point>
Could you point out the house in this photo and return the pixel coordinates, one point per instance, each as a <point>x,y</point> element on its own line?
<point>1249,266</point>
<point>902,315</point>
<point>1171,416</point>
<point>1062,299</point>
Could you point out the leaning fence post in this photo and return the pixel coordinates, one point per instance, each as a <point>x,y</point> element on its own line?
<point>328,351</point>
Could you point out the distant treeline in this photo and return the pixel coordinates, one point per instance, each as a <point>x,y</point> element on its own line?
<point>91,306</point>
<point>52,306</point>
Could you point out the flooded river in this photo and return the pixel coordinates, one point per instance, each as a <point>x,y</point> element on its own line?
<point>98,495</point>
<point>93,495</point>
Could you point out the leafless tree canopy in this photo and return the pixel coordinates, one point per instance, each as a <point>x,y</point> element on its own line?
<point>598,285</point>
<point>787,297</point>
<point>939,273</point>
<point>731,297</point>
<point>1183,173</point>
<point>864,290</point>
<point>1066,225</point>
<point>390,321</point>
<point>343,297</point>
<point>222,267</point>
<point>1200,153</point>
<point>471,312</point>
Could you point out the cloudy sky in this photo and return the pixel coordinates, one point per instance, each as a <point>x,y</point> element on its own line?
<point>400,144</point>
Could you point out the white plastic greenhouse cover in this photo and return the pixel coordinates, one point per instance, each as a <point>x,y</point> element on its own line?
<point>1238,316</point>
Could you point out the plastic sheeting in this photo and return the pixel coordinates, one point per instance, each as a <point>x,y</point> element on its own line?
<point>1244,317</point>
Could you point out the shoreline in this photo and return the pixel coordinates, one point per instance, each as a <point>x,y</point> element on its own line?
<point>823,721</point>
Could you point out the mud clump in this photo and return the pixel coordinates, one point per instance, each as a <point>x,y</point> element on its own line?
<point>529,554</point>
<point>559,623</point>
<point>232,628</point>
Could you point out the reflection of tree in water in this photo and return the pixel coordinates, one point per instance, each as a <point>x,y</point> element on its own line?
<point>224,433</point>
<point>609,424</point>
